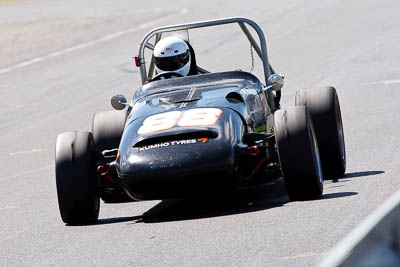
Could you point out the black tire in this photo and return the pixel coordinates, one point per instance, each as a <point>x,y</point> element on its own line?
<point>298,153</point>
<point>323,105</point>
<point>107,128</point>
<point>75,178</point>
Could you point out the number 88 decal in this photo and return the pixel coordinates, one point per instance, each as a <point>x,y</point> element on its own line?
<point>189,118</point>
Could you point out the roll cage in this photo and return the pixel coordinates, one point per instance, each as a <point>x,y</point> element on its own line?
<point>261,48</point>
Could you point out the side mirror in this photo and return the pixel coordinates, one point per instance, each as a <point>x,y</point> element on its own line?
<point>118,102</point>
<point>276,81</point>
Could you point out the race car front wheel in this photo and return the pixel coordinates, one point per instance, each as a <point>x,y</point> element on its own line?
<point>107,128</point>
<point>298,153</point>
<point>75,178</point>
<point>323,105</point>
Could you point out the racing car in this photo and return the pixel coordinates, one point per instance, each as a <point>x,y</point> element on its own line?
<point>181,137</point>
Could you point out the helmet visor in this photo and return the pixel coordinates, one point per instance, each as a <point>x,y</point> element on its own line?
<point>172,63</point>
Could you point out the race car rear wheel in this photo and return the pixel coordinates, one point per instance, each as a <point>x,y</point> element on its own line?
<point>107,128</point>
<point>298,153</point>
<point>323,105</point>
<point>75,178</point>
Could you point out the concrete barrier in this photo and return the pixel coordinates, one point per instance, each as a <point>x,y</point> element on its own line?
<point>375,242</point>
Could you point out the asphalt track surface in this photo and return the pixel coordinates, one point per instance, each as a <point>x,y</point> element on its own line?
<point>62,61</point>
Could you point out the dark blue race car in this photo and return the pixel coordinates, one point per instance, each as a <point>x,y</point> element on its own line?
<point>212,132</point>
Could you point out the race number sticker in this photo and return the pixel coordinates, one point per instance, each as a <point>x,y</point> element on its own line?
<point>200,117</point>
<point>159,122</point>
<point>188,118</point>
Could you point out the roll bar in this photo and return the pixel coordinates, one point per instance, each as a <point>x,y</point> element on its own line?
<point>260,50</point>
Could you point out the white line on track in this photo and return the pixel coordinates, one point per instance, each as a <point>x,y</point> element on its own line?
<point>8,208</point>
<point>303,255</point>
<point>91,43</point>
<point>387,82</point>
<point>35,150</point>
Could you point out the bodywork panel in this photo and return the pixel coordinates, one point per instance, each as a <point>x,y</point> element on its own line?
<point>178,160</point>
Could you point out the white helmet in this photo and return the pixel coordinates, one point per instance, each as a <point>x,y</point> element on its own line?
<point>172,54</point>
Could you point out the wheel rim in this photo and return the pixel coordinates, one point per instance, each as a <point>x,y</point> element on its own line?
<point>341,140</point>
<point>317,157</point>
<point>340,132</point>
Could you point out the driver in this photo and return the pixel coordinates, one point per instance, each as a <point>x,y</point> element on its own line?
<point>173,54</point>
